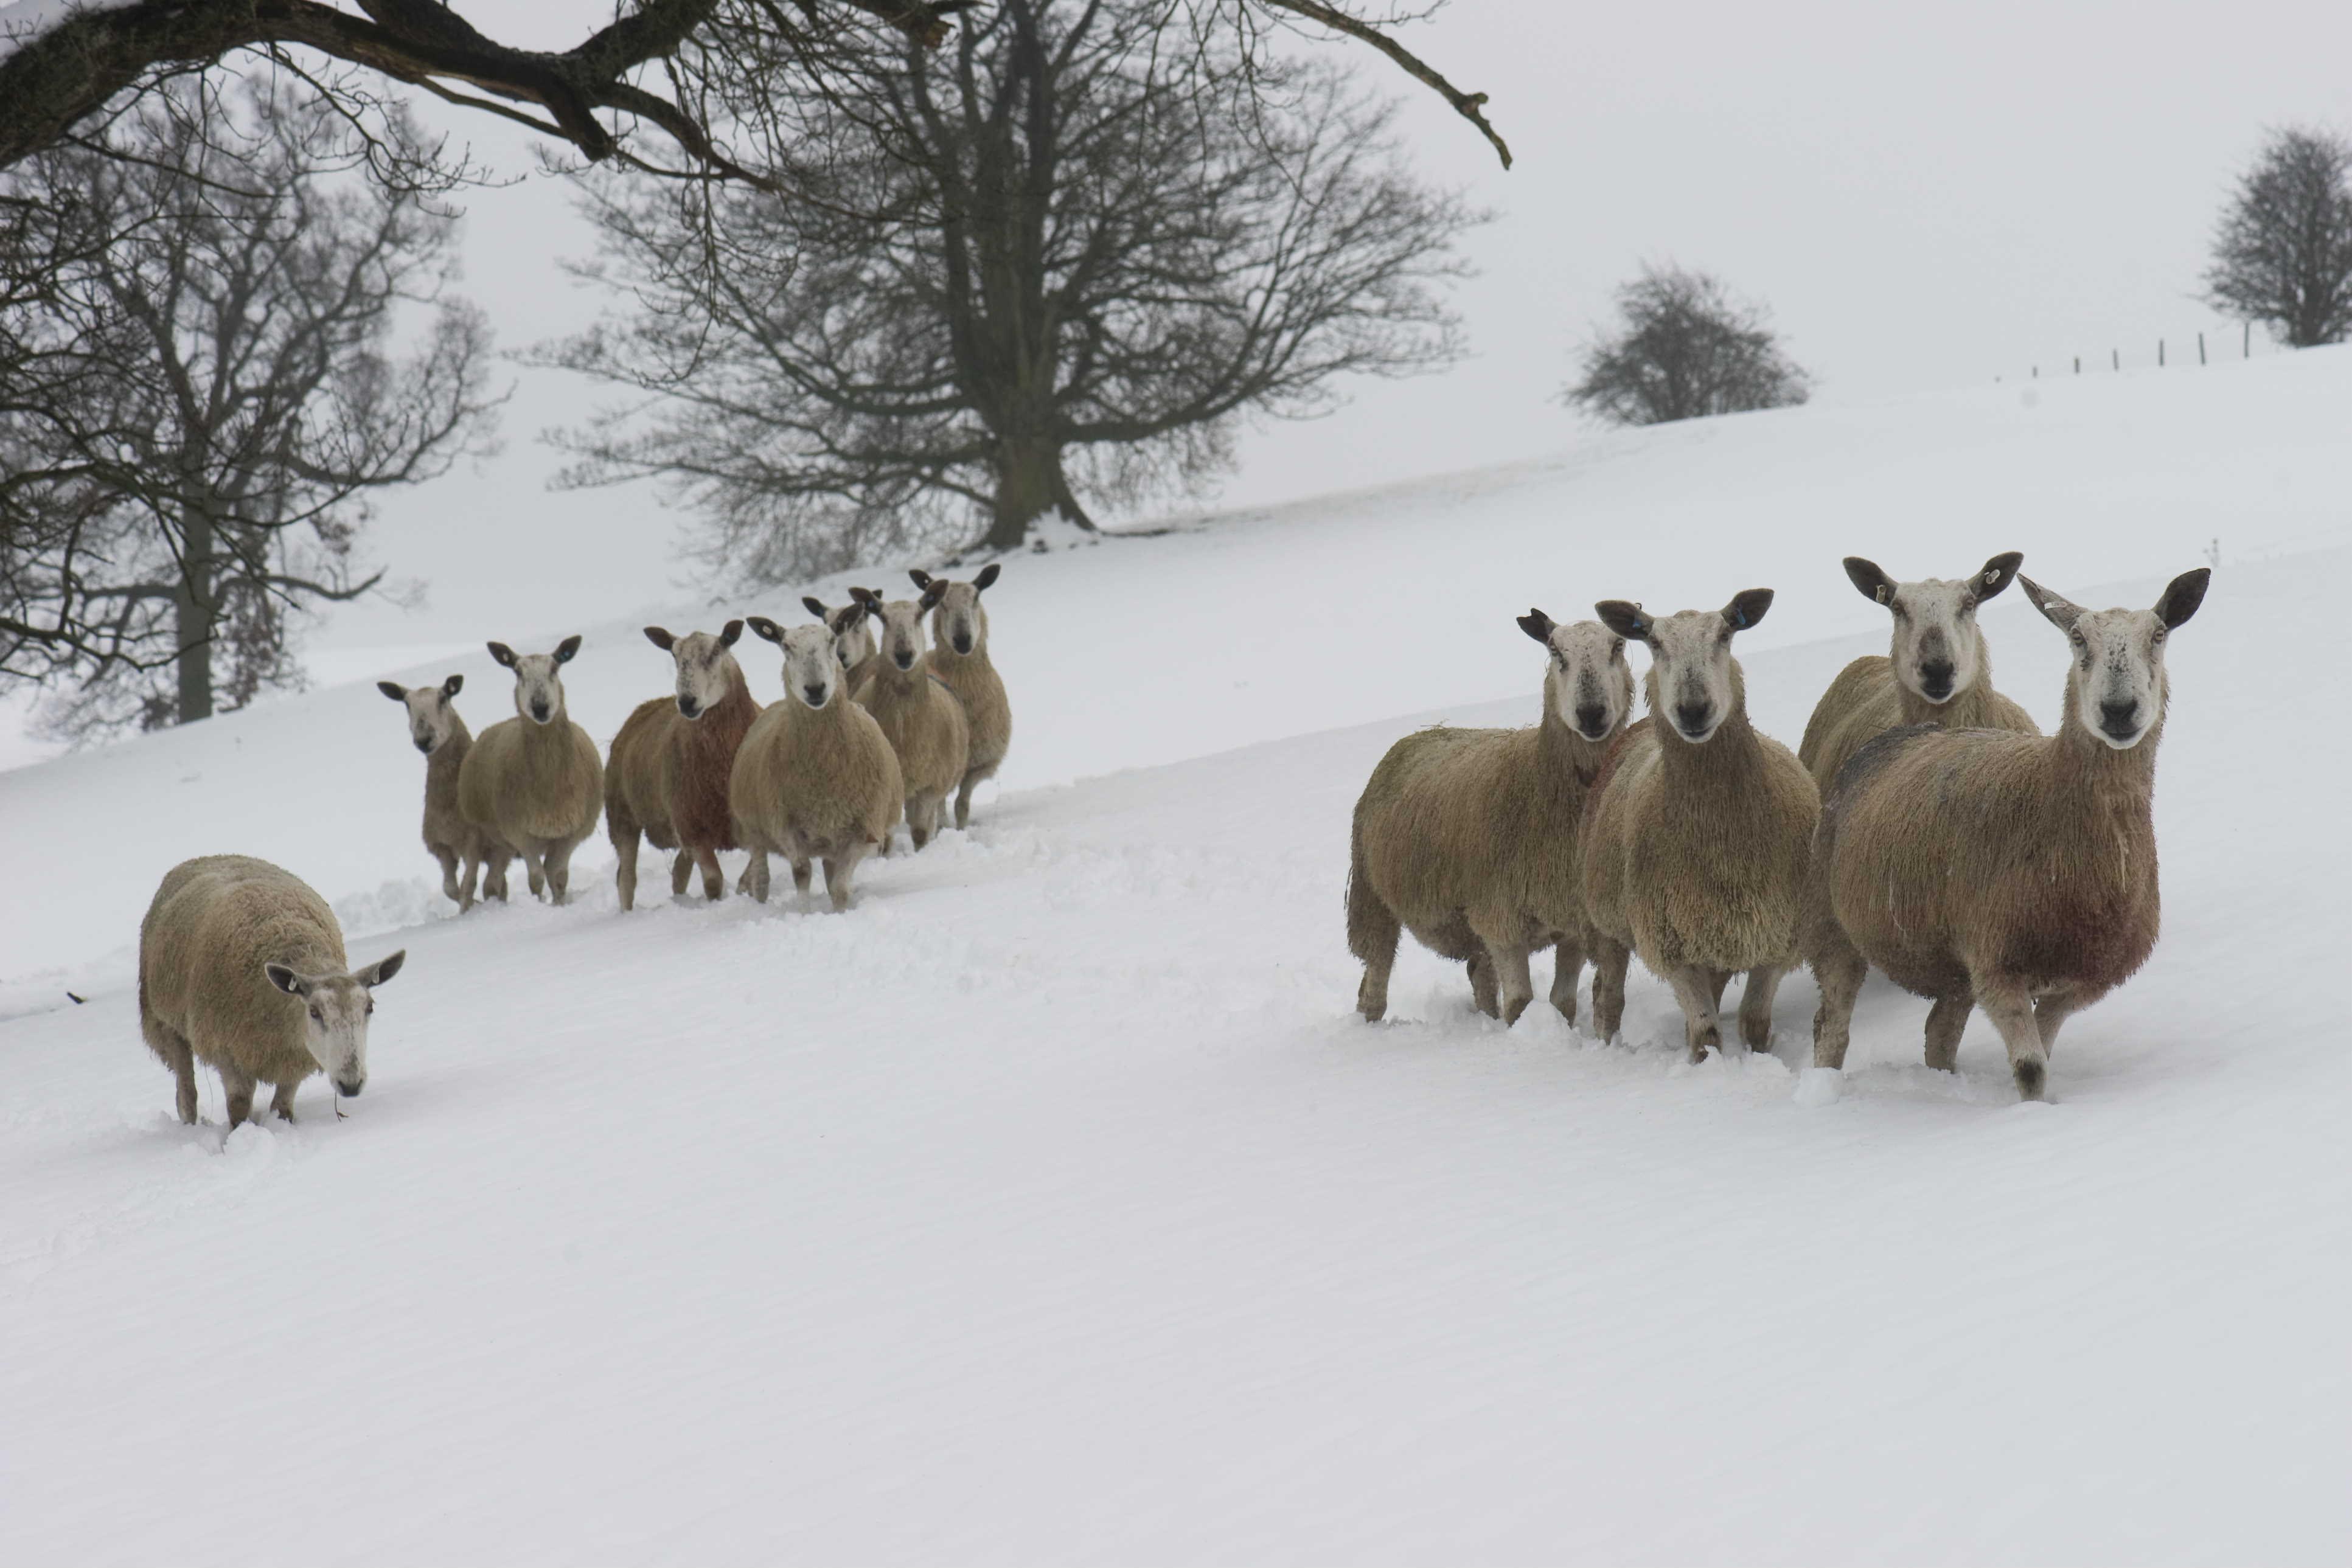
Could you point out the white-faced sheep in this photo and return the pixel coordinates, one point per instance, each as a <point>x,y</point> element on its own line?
<point>666,775</point>
<point>1938,672</point>
<point>815,779</point>
<point>241,967</point>
<point>1696,832</point>
<point>919,716</point>
<point>959,659</point>
<point>1468,837</point>
<point>853,639</point>
<point>533,781</point>
<point>442,735</point>
<point>2013,872</point>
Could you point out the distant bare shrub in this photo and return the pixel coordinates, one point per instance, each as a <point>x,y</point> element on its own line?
<point>2284,254</point>
<point>1686,350</point>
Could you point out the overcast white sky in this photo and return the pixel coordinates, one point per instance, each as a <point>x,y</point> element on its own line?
<point>1926,195</point>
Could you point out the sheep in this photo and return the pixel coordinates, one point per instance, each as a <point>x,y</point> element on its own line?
<point>442,735</point>
<point>1696,832</point>
<point>533,781</point>
<point>1938,672</point>
<point>2014,872</point>
<point>1468,836</point>
<point>241,967</point>
<point>665,775</point>
<point>959,659</point>
<point>852,638</point>
<point>815,779</point>
<point>921,718</point>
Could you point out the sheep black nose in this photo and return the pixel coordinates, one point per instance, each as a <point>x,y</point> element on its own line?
<point>350,1091</point>
<point>2119,719</point>
<point>688,707</point>
<point>425,746</point>
<point>815,695</point>
<point>1936,679</point>
<point>1693,716</point>
<point>905,661</point>
<point>1592,718</point>
<point>539,711</point>
<point>964,644</point>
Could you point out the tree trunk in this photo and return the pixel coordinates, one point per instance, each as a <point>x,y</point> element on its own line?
<point>193,602</point>
<point>1029,483</point>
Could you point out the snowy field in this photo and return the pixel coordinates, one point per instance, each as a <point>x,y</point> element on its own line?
<point>1052,1206</point>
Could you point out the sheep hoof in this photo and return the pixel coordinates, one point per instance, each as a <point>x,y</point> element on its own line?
<point>2031,1074</point>
<point>1512,1010</point>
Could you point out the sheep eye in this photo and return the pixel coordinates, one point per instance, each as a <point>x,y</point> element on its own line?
<point>317,1016</point>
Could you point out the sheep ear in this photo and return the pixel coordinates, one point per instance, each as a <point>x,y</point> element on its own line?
<point>933,594</point>
<point>921,579</point>
<point>393,690</point>
<point>453,685</point>
<point>2058,612</point>
<point>1997,573</point>
<point>658,638</point>
<point>285,980</point>
<point>503,654</point>
<point>865,598</point>
<point>765,627</point>
<point>1539,625</point>
<point>565,649</point>
<point>2182,598</point>
<point>1625,619</point>
<point>1746,607</point>
<point>1876,585</point>
<point>815,606</point>
<point>731,634</point>
<point>383,970</point>
<point>987,578</point>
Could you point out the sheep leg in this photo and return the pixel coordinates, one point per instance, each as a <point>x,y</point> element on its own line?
<point>472,869</point>
<point>1756,1006</point>
<point>922,818</point>
<point>714,880</point>
<point>1509,966</point>
<point>963,800</point>
<point>557,862</point>
<point>2012,1012</point>
<point>800,876</point>
<point>755,876</point>
<point>1946,1021</point>
<point>1840,970</point>
<point>238,1086</point>
<point>173,1048</point>
<point>1567,964</point>
<point>282,1102</point>
<point>1700,994</point>
<point>625,866</point>
<point>1482,985</point>
<point>839,870</point>
<point>449,859</point>
<point>1373,933</point>
<point>2051,1011</point>
<point>534,870</point>
<point>494,872</point>
<point>1609,959</point>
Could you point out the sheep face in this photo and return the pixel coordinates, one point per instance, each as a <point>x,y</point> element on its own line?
<point>1691,685</point>
<point>2117,688</point>
<point>813,671</point>
<point>1588,685</point>
<point>902,640</point>
<point>959,622</point>
<point>853,640</point>
<point>432,718</point>
<point>707,670</point>
<point>539,685</point>
<point>1936,650</point>
<point>335,1021</point>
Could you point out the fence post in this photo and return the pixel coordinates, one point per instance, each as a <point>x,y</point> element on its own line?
<point>2160,353</point>
<point>2201,348</point>
<point>2116,356</point>
<point>2037,372</point>
<point>2078,364</point>
<point>2246,345</point>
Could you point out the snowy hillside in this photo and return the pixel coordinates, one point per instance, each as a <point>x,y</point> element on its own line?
<point>1052,1206</point>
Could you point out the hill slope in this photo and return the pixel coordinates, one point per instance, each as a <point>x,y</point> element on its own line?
<point>1051,1206</point>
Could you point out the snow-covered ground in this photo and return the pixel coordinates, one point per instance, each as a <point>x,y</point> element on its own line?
<point>1052,1206</point>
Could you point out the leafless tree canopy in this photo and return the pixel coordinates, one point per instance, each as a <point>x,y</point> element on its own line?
<point>2283,255</point>
<point>1050,262</point>
<point>1684,349</point>
<point>594,94</point>
<point>196,396</point>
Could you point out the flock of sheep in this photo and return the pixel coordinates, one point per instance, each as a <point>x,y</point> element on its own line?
<point>1925,826</point>
<point>241,965</point>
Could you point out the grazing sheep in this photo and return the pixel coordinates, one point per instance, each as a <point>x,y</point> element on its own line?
<point>442,735</point>
<point>853,640</point>
<point>959,659</point>
<point>533,781</point>
<point>919,716</point>
<point>665,776</point>
<point>1938,672</point>
<point>241,967</point>
<point>1696,834</point>
<point>815,779</point>
<point>1468,836</point>
<point>2014,872</point>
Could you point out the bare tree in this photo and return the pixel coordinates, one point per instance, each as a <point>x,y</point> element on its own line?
<point>1048,265</point>
<point>63,73</point>
<point>198,398</point>
<point>1684,349</point>
<point>2284,254</point>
